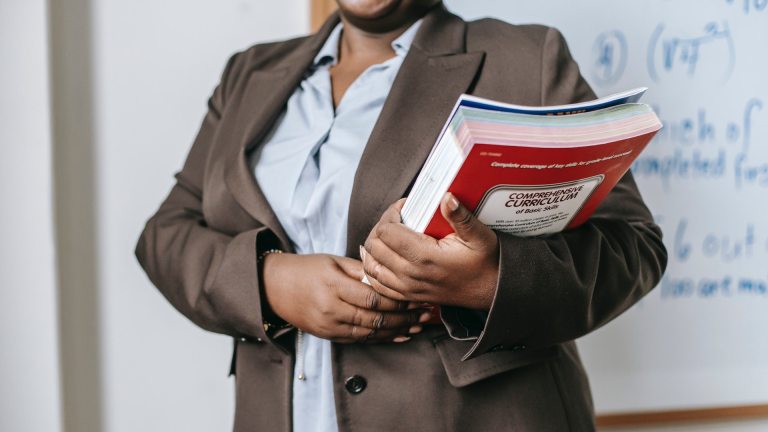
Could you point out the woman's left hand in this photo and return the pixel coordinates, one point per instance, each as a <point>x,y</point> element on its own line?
<point>459,270</point>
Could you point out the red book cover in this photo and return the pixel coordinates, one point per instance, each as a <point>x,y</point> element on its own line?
<point>532,191</point>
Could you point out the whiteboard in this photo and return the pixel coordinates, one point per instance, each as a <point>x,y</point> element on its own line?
<point>700,339</point>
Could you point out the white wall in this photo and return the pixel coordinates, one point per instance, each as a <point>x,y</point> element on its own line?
<point>29,376</point>
<point>155,64</point>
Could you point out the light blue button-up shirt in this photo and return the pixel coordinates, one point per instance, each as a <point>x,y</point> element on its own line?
<point>306,169</point>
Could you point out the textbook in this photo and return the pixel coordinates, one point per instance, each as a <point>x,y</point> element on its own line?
<point>529,171</point>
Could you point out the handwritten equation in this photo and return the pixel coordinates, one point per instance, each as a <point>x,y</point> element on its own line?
<point>750,6</point>
<point>698,147</point>
<point>668,54</point>
<point>723,247</point>
<point>610,52</point>
<point>748,244</point>
<point>672,287</point>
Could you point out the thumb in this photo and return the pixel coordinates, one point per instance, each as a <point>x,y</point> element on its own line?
<point>352,267</point>
<point>463,222</point>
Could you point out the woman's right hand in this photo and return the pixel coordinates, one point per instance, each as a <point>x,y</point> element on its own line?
<point>324,296</point>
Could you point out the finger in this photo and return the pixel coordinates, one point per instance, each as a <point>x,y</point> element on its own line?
<point>466,226</point>
<point>364,296</point>
<point>412,246</point>
<point>351,267</point>
<point>373,267</point>
<point>399,204</point>
<point>398,338</point>
<point>386,291</point>
<point>360,292</point>
<point>393,212</point>
<point>378,320</point>
<point>391,215</point>
<point>385,282</point>
<point>392,269</point>
<point>349,334</point>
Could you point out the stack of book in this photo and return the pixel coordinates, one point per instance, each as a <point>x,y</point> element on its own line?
<point>529,170</point>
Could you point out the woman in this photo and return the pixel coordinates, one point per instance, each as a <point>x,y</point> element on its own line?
<point>291,194</point>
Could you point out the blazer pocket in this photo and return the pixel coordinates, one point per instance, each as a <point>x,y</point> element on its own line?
<point>463,373</point>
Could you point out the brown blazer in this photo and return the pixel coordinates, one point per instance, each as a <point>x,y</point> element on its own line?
<point>523,372</point>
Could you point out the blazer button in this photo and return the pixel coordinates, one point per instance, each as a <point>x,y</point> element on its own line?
<point>355,384</point>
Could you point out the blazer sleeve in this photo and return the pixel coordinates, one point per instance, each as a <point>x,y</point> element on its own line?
<point>210,277</point>
<point>560,287</point>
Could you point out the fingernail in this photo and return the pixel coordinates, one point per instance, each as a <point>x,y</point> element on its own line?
<point>424,317</point>
<point>401,339</point>
<point>453,203</point>
<point>415,329</point>
<point>362,253</point>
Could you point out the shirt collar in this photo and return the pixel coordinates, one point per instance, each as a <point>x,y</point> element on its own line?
<point>329,53</point>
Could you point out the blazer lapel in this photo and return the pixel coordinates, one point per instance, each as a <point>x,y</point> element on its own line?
<point>264,97</point>
<point>434,73</point>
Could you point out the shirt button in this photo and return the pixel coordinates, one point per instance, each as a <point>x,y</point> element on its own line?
<point>355,384</point>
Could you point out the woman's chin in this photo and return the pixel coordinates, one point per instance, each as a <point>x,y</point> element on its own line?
<point>368,10</point>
